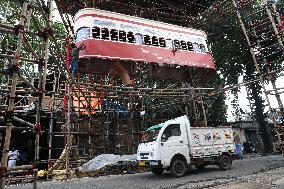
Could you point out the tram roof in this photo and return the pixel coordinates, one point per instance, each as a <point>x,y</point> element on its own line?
<point>178,12</point>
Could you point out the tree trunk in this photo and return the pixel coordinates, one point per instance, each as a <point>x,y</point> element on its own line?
<point>260,118</point>
<point>255,95</point>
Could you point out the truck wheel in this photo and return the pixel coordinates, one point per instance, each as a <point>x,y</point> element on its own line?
<point>157,171</point>
<point>225,162</point>
<point>178,168</point>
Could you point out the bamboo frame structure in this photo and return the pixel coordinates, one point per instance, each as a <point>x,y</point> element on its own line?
<point>16,64</point>
<point>255,60</point>
<point>107,128</point>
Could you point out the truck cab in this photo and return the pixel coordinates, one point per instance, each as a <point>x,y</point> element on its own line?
<point>171,146</point>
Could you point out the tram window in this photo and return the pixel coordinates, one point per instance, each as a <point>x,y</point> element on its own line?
<point>189,46</point>
<point>114,35</point>
<point>105,33</point>
<point>122,36</point>
<point>183,45</point>
<point>176,44</point>
<point>169,43</point>
<point>147,40</point>
<point>155,41</point>
<point>196,47</point>
<point>96,32</point>
<point>162,42</point>
<point>130,37</point>
<point>138,38</point>
<point>82,33</point>
<point>202,48</point>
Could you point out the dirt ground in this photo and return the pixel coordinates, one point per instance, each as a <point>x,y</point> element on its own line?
<point>261,172</point>
<point>264,180</point>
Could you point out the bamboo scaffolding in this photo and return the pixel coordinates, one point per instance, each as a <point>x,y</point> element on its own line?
<point>85,90</point>
<point>67,76</point>
<point>240,19</point>
<point>277,33</point>
<point>4,160</point>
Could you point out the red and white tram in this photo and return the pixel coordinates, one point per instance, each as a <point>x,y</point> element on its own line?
<point>112,36</point>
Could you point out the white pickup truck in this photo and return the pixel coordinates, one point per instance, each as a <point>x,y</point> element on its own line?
<point>175,146</point>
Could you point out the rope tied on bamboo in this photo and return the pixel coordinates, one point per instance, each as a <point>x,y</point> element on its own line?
<point>244,3</point>
<point>8,116</point>
<point>45,33</point>
<point>19,29</point>
<point>3,171</point>
<point>39,61</point>
<point>40,92</point>
<point>37,128</point>
<point>12,68</point>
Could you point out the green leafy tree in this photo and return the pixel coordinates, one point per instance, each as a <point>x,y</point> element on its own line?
<point>233,58</point>
<point>10,14</point>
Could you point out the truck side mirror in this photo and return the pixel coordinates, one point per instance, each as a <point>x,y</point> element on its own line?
<point>164,138</point>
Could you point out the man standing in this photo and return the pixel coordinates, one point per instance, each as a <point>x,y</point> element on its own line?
<point>75,58</point>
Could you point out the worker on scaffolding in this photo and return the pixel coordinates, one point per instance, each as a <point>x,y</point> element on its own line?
<point>75,58</point>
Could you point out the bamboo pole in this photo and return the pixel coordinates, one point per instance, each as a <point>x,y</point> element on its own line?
<point>107,125</point>
<point>4,160</point>
<point>204,113</point>
<point>13,128</point>
<point>78,127</point>
<point>41,87</point>
<point>35,179</point>
<point>50,133</point>
<point>10,29</point>
<point>23,122</point>
<point>68,127</point>
<point>13,56</point>
<point>27,82</point>
<point>45,52</point>
<point>89,122</point>
<point>42,78</point>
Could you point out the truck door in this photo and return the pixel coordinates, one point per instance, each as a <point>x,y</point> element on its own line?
<point>173,141</point>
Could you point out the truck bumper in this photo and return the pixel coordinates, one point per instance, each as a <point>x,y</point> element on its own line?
<point>149,163</point>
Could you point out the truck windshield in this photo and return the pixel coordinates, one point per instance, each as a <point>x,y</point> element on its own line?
<point>151,133</point>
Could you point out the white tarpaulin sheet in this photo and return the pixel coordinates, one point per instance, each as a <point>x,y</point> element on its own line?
<point>103,160</point>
